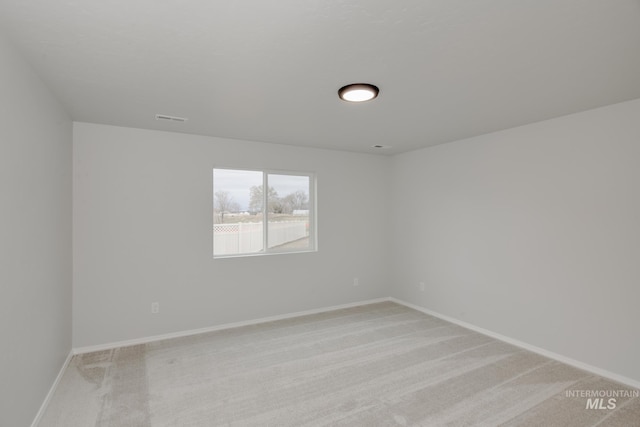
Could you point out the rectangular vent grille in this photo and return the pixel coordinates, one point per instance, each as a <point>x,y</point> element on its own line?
<point>164,117</point>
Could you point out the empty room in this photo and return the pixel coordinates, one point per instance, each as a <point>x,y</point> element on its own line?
<point>314,213</point>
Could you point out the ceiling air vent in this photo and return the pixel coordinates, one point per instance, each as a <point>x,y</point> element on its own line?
<point>166,118</point>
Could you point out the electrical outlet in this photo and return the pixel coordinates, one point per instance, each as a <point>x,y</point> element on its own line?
<point>422,286</point>
<point>356,281</point>
<point>155,307</point>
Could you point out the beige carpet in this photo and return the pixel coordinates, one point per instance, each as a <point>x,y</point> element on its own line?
<point>375,365</point>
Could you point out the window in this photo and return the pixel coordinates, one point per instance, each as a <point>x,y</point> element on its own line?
<point>247,220</point>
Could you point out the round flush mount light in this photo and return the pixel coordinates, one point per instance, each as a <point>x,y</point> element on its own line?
<point>358,92</point>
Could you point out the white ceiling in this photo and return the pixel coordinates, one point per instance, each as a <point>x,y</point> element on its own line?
<point>270,70</point>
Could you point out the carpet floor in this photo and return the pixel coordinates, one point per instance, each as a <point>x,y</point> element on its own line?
<point>374,365</point>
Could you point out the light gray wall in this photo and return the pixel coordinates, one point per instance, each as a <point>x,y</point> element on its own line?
<point>143,233</point>
<point>35,239</point>
<point>531,232</point>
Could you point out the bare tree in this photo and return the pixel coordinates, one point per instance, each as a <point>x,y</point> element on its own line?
<point>224,203</point>
<point>256,199</point>
<point>297,200</point>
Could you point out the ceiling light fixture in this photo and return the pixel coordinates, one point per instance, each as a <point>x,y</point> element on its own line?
<point>358,92</point>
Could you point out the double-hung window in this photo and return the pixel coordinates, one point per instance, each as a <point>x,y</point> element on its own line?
<point>247,220</point>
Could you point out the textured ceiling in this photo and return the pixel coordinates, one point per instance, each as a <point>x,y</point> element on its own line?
<point>270,71</point>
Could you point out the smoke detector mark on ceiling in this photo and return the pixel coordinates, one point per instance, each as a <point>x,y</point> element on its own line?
<point>164,117</point>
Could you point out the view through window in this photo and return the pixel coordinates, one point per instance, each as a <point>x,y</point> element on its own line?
<point>248,220</point>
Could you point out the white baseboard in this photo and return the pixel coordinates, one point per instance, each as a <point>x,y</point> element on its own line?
<point>541,351</point>
<point>145,340</point>
<point>52,390</point>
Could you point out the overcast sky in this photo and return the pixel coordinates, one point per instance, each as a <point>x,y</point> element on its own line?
<point>238,182</point>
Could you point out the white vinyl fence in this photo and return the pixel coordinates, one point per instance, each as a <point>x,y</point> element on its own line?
<point>246,237</point>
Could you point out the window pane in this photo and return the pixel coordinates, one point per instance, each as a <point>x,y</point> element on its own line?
<point>241,201</point>
<point>288,212</point>
<point>237,213</point>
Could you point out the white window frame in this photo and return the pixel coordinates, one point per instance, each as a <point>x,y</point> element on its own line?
<point>313,214</point>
